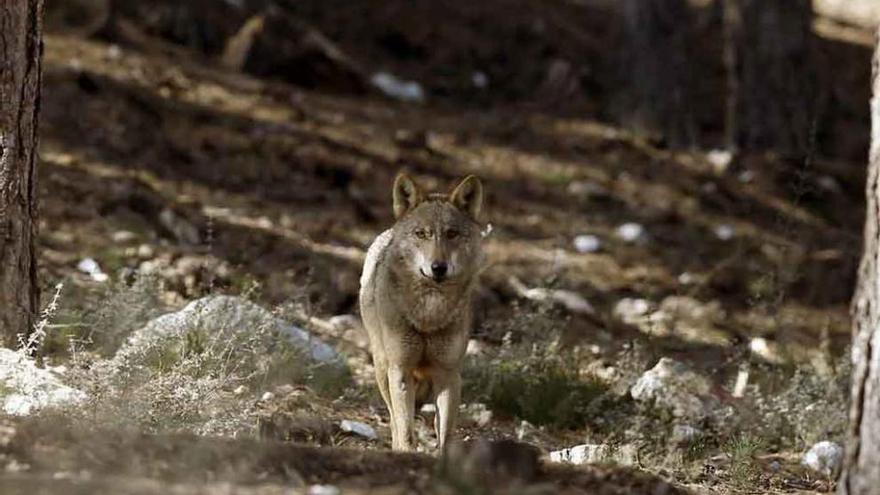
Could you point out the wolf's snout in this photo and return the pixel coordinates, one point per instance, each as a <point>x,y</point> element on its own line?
<point>439,269</point>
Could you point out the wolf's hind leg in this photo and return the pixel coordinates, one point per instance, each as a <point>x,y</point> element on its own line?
<point>381,372</point>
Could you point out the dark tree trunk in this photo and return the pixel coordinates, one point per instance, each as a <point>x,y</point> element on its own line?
<point>861,475</point>
<point>20,78</point>
<point>770,75</point>
<point>657,69</point>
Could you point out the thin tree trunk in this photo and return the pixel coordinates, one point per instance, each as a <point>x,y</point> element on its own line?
<point>20,78</point>
<point>861,475</point>
<point>657,70</point>
<point>770,75</point>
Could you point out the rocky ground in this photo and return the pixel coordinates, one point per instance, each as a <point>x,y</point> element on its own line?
<point>651,321</point>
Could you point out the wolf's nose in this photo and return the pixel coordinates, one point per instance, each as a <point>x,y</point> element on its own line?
<point>439,269</point>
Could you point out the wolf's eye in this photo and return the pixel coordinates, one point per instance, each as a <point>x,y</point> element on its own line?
<point>421,234</point>
<point>452,234</point>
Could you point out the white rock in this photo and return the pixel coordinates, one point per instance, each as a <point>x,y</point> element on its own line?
<point>480,79</point>
<point>123,236</point>
<point>571,300</point>
<point>91,267</point>
<point>220,318</point>
<point>324,490</point>
<point>586,188</point>
<point>629,310</point>
<point>674,385</point>
<point>746,176</point>
<point>26,389</point>
<point>475,348</point>
<point>358,428</point>
<point>720,160</point>
<point>683,434</point>
<point>241,389</point>
<point>477,413</point>
<point>146,251</point>
<point>596,453</point>
<point>767,350</point>
<point>830,184</point>
<point>391,85</point>
<point>525,431</point>
<point>631,232</point>
<point>587,243</point>
<point>344,322</point>
<point>724,232</point>
<point>825,458</point>
<point>267,396</point>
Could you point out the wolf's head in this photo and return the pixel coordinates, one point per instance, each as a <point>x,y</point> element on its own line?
<point>437,236</point>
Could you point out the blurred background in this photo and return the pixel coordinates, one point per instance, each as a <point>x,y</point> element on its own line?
<point>665,178</point>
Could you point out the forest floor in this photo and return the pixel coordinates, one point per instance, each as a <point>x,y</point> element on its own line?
<point>160,160</point>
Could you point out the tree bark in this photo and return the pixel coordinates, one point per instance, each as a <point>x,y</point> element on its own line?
<point>770,75</point>
<point>20,79</point>
<point>861,474</point>
<point>657,70</point>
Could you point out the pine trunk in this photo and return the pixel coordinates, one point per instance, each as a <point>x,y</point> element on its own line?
<point>657,70</point>
<point>20,78</point>
<point>861,475</point>
<point>770,75</point>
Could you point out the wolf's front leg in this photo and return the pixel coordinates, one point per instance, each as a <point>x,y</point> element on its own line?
<point>447,386</point>
<point>401,388</point>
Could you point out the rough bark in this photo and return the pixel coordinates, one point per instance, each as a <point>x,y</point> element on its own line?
<point>20,79</point>
<point>657,69</point>
<point>770,74</point>
<point>861,475</point>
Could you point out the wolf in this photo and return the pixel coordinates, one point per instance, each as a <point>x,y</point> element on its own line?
<point>416,302</point>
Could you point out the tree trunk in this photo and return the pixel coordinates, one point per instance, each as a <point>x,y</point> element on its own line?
<point>20,78</point>
<point>861,473</point>
<point>657,70</point>
<point>770,75</point>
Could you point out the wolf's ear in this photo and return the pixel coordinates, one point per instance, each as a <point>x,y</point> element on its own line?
<point>468,196</point>
<point>407,194</point>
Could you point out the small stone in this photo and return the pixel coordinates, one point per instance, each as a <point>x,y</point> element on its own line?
<point>596,454</point>
<point>358,428</point>
<point>91,267</point>
<point>724,232</point>
<point>767,350</point>
<point>476,413</point>
<point>267,396</point>
<point>629,310</point>
<point>684,435</point>
<point>324,490</point>
<point>825,458</point>
<point>746,176</point>
<point>344,322</point>
<point>475,348</point>
<point>525,430</point>
<point>146,251</point>
<point>587,243</point>
<point>241,389</point>
<point>673,385</point>
<point>720,160</point>
<point>123,236</point>
<point>631,232</point>
<point>480,79</point>
<point>587,189</point>
<point>830,184</point>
